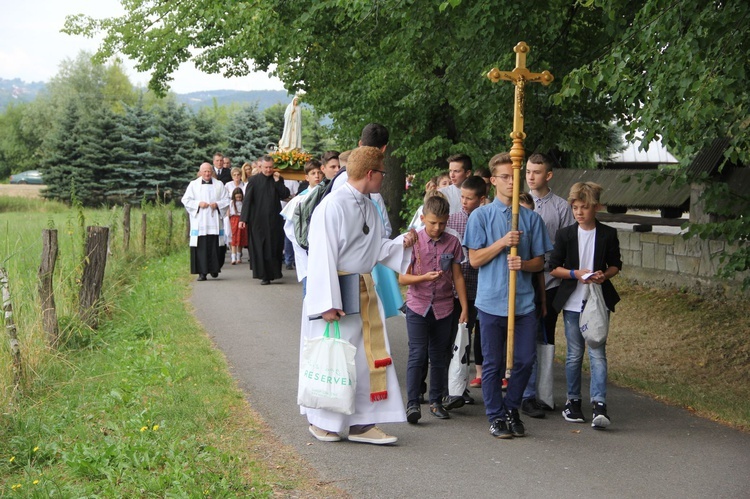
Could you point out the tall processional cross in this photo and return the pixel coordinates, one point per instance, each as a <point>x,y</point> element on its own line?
<point>520,76</point>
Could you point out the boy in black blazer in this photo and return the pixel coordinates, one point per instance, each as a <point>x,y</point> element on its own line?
<point>586,252</point>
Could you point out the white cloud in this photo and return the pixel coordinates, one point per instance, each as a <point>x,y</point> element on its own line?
<point>32,47</point>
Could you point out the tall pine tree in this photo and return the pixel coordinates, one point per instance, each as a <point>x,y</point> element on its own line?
<point>172,149</point>
<point>247,135</point>
<point>63,166</point>
<point>102,153</point>
<point>136,174</point>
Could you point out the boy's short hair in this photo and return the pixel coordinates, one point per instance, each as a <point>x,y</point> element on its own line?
<point>482,172</point>
<point>475,184</point>
<point>539,158</point>
<point>432,193</point>
<point>374,135</point>
<point>588,192</point>
<point>311,165</point>
<point>464,159</point>
<point>344,156</point>
<point>328,156</point>
<point>436,205</point>
<point>440,177</point>
<point>362,160</point>
<point>498,159</point>
<point>525,198</point>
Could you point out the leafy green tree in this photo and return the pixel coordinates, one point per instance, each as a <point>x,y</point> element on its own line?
<point>677,70</point>
<point>247,135</point>
<point>415,68</point>
<point>16,145</point>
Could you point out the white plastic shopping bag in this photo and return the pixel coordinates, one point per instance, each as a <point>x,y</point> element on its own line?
<point>594,319</point>
<point>458,370</point>
<point>327,375</point>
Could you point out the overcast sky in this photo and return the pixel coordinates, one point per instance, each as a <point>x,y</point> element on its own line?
<point>32,47</point>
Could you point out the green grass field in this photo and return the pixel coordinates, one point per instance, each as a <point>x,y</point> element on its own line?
<point>143,406</point>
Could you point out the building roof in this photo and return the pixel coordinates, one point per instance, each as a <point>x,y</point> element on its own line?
<point>627,188</point>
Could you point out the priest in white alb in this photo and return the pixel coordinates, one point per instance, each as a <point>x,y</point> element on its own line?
<point>206,201</point>
<point>347,237</point>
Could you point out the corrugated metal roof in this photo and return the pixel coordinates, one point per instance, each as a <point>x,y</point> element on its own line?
<point>708,160</point>
<point>618,191</point>
<point>655,154</point>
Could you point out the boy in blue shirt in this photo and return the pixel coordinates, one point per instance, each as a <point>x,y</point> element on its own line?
<point>489,239</point>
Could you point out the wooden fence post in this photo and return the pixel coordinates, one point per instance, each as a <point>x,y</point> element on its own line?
<point>187,226</point>
<point>143,233</point>
<point>94,264</point>
<point>126,226</point>
<point>10,327</point>
<point>170,223</point>
<point>46,292</point>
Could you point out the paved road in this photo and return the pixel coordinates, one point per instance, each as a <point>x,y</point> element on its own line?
<point>651,449</point>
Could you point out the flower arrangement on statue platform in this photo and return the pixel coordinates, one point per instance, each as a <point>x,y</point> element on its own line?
<point>292,160</point>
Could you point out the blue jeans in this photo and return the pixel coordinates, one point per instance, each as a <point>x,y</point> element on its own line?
<point>494,338</point>
<point>288,251</point>
<point>427,337</point>
<point>574,359</point>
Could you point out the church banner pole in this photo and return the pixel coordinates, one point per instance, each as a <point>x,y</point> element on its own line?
<point>520,76</point>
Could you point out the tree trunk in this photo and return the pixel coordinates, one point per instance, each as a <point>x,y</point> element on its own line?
<point>46,291</point>
<point>392,191</point>
<point>126,226</point>
<point>94,264</point>
<point>10,327</point>
<point>143,233</point>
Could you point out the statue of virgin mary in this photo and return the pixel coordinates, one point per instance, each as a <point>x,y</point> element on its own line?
<point>291,138</point>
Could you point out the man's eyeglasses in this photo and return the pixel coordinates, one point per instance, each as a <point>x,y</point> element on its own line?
<point>380,172</point>
<point>505,177</point>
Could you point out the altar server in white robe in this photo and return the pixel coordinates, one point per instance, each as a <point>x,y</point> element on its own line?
<point>347,236</point>
<point>206,201</point>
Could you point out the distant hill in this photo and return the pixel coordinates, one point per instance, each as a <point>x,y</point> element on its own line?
<point>264,98</point>
<point>17,90</point>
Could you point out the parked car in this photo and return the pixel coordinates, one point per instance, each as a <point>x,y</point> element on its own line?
<point>27,177</point>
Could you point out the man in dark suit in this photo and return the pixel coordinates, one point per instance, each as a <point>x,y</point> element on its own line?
<point>221,170</point>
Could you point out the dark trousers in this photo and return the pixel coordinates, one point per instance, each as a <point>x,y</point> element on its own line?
<point>428,340</point>
<point>550,320</point>
<point>204,258</point>
<point>494,338</point>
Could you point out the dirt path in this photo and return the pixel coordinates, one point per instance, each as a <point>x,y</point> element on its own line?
<point>21,190</point>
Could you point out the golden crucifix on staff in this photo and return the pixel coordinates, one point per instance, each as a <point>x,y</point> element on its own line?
<point>520,76</point>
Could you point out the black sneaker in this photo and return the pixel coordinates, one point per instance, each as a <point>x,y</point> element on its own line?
<point>453,402</point>
<point>572,412</point>
<point>468,399</point>
<point>601,420</point>
<point>515,425</point>
<point>499,429</point>
<point>532,409</point>
<point>413,413</point>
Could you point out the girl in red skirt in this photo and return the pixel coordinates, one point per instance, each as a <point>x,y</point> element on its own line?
<point>239,237</point>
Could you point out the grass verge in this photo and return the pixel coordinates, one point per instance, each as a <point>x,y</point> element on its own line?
<point>146,409</point>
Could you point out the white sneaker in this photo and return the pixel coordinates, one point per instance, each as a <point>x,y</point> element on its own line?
<point>373,436</point>
<point>323,435</point>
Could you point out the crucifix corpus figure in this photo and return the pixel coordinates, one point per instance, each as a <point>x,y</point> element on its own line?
<point>519,77</point>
